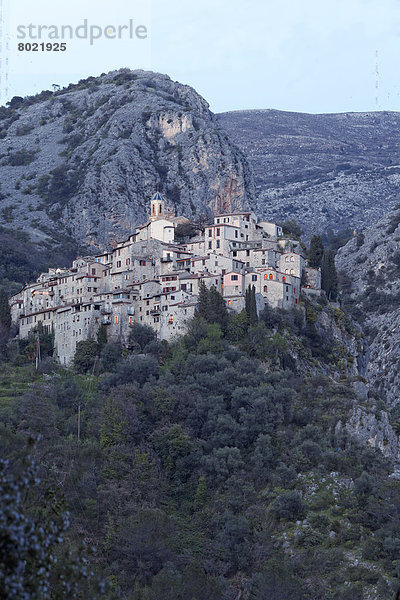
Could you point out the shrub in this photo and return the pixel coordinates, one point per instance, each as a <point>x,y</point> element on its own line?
<point>289,506</point>
<point>21,158</point>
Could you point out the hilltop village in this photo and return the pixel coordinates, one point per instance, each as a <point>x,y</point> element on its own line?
<point>152,280</point>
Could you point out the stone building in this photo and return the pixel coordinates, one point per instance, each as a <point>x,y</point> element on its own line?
<point>152,280</point>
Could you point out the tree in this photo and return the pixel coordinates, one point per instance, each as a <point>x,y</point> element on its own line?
<point>110,357</point>
<point>5,319</point>
<point>251,305</point>
<point>289,506</point>
<point>102,337</point>
<point>316,251</point>
<point>34,563</point>
<point>329,278</point>
<point>141,335</point>
<point>202,307</point>
<point>15,102</point>
<point>211,306</point>
<point>291,227</point>
<point>185,230</point>
<point>85,355</point>
<point>238,326</point>
<point>218,313</point>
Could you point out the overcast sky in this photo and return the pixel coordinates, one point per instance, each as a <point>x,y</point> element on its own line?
<point>308,55</point>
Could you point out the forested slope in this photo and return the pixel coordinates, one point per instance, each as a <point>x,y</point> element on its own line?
<point>214,468</point>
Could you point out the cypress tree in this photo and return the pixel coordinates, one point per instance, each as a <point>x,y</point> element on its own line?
<point>102,337</point>
<point>5,312</point>
<point>251,305</point>
<point>202,309</point>
<point>316,251</point>
<point>329,278</point>
<point>218,313</point>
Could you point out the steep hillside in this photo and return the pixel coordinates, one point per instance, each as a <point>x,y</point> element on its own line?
<point>213,468</point>
<point>84,161</point>
<point>326,171</point>
<point>370,267</point>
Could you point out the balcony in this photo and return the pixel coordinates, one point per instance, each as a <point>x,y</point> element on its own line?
<point>166,259</point>
<point>106,321</point>
<point>131,310</point>
<point>155,311</point>
<point>106,310</point>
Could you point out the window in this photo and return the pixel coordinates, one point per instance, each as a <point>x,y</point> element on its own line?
<point>218,231</point>
<point>292,259</point>
<point>229,302</point>
<point>234,278</point>
<point>130,320</point>
<point>118,263</point>
<point>283,278</point>
<point>287,259</point>
<point>218,243</point>
<point>287,288</point>
<point>254,277</point>
<point>236,233</point>
<point>209,232</point>
<point>292,271</point>
<point>209,245</point>
<point>265,288</point>
<point>128,261</point>
<point>234,253</point>
<point>263,261</point>
<point>247,252</point>
<point>271,276</point>
<point>93,271</point>
<point>116,319</point>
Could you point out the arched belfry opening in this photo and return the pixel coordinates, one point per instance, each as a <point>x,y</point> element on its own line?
<point>157,208</point>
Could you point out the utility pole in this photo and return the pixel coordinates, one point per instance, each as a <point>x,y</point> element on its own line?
<point>79,423</point>
<point>37,351</point>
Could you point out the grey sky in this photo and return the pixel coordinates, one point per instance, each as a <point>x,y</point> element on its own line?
<point>311,56</point>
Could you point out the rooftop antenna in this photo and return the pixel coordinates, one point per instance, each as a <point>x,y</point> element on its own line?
<point>376,81</point>
<point>4,51</point>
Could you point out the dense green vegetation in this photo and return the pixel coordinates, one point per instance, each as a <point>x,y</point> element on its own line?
<point>212,468</point>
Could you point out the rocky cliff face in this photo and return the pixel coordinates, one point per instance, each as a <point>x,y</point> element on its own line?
<point>86,160</point>
<point>370,266</point>
<point>334,171</point>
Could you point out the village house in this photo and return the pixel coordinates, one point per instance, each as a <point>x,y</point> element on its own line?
<point>152,280</point>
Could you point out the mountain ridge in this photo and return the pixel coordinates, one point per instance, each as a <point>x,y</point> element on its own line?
<point>328,171</point>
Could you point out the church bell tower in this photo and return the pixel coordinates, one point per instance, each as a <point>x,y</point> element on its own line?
<point>157,209</point>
